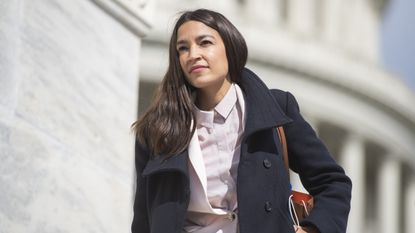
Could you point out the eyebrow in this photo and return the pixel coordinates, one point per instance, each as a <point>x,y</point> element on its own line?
<point>199,38</point>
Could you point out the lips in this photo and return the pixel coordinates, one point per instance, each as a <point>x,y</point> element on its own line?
<point>197,68</point>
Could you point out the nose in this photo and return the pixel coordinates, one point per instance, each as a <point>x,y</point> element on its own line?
<point>194,52</point>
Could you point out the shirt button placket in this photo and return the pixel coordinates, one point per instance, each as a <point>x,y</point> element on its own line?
<point>231,216</point>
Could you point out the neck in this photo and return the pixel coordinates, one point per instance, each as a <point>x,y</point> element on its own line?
<point>207,99</point>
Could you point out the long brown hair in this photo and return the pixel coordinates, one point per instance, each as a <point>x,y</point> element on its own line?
<point>168,125</point>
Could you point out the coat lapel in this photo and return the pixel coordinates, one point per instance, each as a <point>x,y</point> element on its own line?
<point>199,201</point>
<point>196,159</point>
<point>262,110</point>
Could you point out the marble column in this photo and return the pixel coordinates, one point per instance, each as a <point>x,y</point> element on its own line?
<point>331,20</point>
<point>68,78</point>
<point>10,26</point>
<point>302,16</point>
<point>409,205</point>
<point>352,158</point>
<point>389,188</point>
<point>259,14</point>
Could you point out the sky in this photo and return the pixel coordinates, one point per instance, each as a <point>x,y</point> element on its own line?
<point>398,40</point>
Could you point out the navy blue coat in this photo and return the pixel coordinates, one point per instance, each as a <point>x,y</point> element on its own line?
<point>163,192</point>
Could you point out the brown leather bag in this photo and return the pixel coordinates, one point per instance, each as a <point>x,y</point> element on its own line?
<point>300,204</point>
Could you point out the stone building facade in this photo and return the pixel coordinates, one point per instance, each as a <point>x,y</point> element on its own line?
<point>68,95</point>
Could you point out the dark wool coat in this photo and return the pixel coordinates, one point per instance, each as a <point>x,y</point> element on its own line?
<point>263,187</point>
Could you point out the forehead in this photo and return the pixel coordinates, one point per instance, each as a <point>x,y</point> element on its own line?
<point>194,29</point>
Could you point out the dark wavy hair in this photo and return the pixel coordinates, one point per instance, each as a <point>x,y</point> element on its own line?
<point>166,128</point>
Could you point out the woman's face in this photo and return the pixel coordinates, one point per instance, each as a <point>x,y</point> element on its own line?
<point>202,55</point>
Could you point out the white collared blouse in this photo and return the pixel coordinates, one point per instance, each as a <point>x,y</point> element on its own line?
<point>214,153</point>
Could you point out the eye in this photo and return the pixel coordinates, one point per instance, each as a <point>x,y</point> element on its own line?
<point>205,42</point>
<point>182,48</point>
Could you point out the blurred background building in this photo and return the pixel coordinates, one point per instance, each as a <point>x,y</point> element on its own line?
<point>70,72</point>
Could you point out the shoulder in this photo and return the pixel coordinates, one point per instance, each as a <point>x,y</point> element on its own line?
<point>279,95</point>
<point>284,99</point>
<point>142,156</point>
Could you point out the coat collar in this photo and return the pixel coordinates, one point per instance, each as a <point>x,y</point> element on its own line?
<point>262,110</point>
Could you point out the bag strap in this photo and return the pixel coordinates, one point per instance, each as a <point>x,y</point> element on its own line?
<point>283,141</point>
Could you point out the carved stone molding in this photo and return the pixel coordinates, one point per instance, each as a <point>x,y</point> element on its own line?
<point>133,14</point>
<point>143,3</point>
<point>134,4</point>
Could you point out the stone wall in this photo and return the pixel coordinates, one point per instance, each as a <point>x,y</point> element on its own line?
<point>68,95</point>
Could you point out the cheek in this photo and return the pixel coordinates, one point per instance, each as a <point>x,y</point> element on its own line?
<point>223,63</point>
<point>222,59</point>
<point>181,62</point>
<point>183,67</point>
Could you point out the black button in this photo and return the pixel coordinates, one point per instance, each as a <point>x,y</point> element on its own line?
<point>267,163</point>
<point>268,206</point>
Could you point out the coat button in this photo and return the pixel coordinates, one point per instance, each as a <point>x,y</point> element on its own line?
<point>267,163</point>
<point>268,206</point>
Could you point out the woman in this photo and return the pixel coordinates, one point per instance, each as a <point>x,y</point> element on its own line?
<point>208,158</point>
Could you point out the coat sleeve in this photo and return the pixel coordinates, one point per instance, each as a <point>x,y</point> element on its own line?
<point>140,222</point>
<point>319,173</point>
